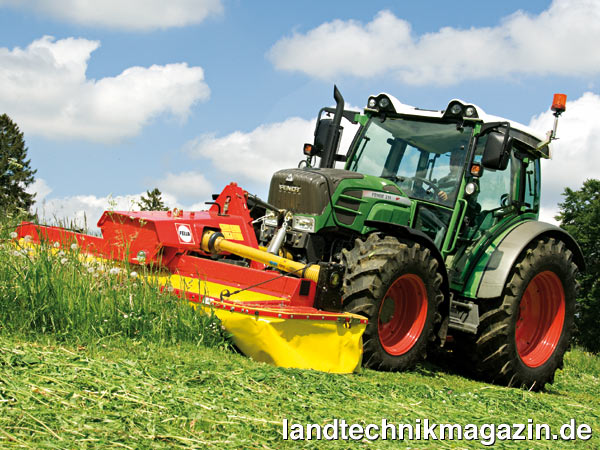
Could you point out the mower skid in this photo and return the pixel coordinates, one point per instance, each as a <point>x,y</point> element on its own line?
<point>274,323</point>
<point>296,340</point>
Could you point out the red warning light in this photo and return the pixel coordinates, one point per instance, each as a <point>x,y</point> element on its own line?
<point>559,103</point>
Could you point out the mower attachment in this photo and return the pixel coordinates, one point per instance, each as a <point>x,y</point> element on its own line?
<point>283,316</point>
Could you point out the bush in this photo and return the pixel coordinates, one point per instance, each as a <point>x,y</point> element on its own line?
<point>580,216</point>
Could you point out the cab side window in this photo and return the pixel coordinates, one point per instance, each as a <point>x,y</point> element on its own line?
<point>532,184</point>
<point>495,188</point>
<point>494,193</point>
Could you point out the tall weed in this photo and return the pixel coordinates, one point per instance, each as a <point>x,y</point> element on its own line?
<point>44,289</point>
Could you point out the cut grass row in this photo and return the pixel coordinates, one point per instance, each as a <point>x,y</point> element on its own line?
<point>127,393</point>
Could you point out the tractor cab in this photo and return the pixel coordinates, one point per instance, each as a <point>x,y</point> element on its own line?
<point>465,172</point>
<point>424,157</point>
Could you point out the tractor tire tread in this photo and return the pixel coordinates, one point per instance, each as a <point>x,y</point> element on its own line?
<point>371,266</point>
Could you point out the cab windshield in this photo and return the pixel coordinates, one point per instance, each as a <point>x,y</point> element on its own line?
<point>425,159</point>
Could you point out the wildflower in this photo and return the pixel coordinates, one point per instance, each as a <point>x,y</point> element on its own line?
<point>56,245</point>
<point>125,316</point>
<point>27,238</point>
<point>90,270</point>
<point>61,253</point>
<point>141,257</point>
<point>133,274</point>
<point>74,246</point>
<point>17,253</point>
<point>115,271</point>
<point>13,235</point>
<point>63,260</point>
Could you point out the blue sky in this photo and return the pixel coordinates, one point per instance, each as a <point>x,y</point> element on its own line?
<point>119,97</point>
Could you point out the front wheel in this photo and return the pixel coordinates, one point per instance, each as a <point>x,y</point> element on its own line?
<point>395,284</point>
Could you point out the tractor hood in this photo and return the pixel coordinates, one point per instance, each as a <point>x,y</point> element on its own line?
<point>306,191</point>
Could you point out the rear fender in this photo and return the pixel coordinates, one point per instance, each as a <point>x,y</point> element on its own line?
<point>514,243</point>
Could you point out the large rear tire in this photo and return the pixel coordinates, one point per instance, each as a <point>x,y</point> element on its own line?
<point>395,284</point>
<point>524,335</point>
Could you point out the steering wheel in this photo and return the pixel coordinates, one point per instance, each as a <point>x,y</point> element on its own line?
<point>429,183</point>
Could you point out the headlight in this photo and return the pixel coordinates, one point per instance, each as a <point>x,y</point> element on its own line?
<point>470,188</point>
<point>303,223</point>
<point>384,102</point>
<point>270,219</point>
<point>456,109</point>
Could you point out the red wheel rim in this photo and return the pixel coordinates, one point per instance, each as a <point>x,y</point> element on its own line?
<point>541,318</point>
<point>402,314</point>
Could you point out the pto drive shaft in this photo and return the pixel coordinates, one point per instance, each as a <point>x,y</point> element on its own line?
<point>215,242</point>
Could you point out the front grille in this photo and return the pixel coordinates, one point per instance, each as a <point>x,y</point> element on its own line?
<point>347,205</point>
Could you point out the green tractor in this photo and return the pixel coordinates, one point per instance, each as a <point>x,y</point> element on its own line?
<point>434,221</point>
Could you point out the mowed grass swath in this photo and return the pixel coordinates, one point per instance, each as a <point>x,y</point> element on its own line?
<point>45,289</point>
<point>133,394</point>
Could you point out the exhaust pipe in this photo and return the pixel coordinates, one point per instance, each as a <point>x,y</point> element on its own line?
<point>333,137</point>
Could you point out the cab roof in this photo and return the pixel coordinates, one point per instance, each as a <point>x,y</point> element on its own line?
<point>402,108</point>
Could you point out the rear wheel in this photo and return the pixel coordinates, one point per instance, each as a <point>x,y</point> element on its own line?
<point>526,333</point>
<point>397,286</point>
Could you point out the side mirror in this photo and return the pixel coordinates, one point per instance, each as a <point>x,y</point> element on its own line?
<point>497,151</point>
<point>321,133</point>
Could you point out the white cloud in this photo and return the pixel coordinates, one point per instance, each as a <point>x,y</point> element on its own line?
<point>40,188</point>
<point>257,154</point>
<point>45,90</point>
<point>186,190</point>
<point>137,15</point>
<point>82,210</point>
<point>575,155</point>
<point>561,40</point>
<point>186,186</point>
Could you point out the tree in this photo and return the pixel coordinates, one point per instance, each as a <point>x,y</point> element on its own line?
<point>152,202</point>
<point>15,172</point>
<point>580,216</point>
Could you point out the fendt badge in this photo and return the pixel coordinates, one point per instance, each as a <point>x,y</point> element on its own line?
<point>290,189</point>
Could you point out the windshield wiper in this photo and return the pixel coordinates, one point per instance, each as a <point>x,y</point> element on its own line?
<point>359,152</point>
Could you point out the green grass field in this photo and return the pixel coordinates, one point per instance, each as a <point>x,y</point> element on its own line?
<point>136,394</point>
<point>93,359</point>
